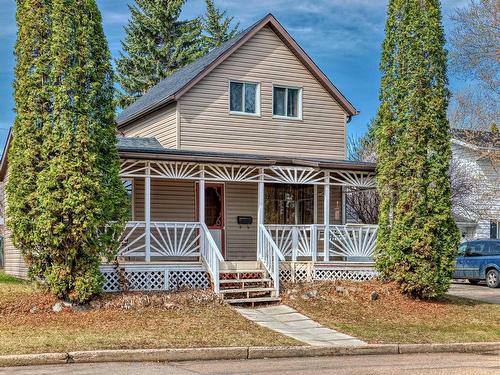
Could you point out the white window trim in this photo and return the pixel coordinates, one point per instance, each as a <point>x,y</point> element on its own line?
<point>132,202</point>
<point>299,110</point>
<point>257,99</point>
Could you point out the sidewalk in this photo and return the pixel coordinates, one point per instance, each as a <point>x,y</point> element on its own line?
<point>289,322</point>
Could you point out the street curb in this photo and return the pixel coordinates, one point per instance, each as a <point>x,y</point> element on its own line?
<point>253,352</point>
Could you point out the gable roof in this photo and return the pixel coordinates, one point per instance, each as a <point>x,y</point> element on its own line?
<point>177,84</point>
<point>481,139</point>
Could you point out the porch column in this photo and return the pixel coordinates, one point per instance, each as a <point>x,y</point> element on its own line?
<point>260,207</point>
<point>201,209</point>
<point>147,212</point>
<point>326,218</point>
<point>201,197</point>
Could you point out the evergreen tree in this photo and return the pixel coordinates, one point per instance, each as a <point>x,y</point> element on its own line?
<point>417,238</point>
<point>156,44</point>
<point>79,201</point>
<point>32,107</point>
<point>217,26</point>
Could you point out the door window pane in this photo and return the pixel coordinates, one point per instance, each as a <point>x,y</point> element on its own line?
<point>236,97</point>
<point>279,101</point>
<point>292,103</point>
<point>213,206</point>
<point>250,97</point>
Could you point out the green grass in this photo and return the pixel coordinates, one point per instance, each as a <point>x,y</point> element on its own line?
<point>8,279</point>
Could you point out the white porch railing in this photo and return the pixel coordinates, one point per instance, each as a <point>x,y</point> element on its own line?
<point>354,242</point>
<point>270,255</point>
<point>171,240</point>
<point>295,240</point>
<point>211,256</point>
<point>167,239</point>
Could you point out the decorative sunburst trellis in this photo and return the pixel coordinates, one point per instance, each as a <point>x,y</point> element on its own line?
<point>174,170</point>
<point>235,173</point>
<point>353,240</point>
<point>294,240</point>
<point>177,170</point>
<point>294,175</point>
<point>354,179</point>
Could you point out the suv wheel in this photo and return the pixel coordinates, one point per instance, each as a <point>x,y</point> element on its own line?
<point>473,281</point>
<point>492,279</point>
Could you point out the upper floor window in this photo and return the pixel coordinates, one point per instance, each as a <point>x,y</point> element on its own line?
<point>244,98</point>
<point>287,102</point>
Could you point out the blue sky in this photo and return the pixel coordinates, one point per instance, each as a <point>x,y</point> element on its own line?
<point>343,37</point>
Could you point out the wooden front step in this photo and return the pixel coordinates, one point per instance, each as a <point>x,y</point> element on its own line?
<point>254,301</point>
<point>246,283</point>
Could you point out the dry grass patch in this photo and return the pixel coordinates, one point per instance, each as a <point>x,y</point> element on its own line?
<point>123,321</point>
<point>394,318</point>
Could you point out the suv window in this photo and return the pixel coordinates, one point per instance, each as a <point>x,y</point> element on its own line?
<point>494,248</point>
<point>476,248</point>
<point>461,249</point>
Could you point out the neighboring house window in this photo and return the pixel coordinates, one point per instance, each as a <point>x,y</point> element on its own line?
<point>129,188</point>
<point>244,98</point>
<point>287,102</point>
<point>494,229</point>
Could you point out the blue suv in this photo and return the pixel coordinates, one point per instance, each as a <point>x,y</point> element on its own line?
<point>479,260</point>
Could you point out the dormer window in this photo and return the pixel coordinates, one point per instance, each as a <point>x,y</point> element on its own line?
<point>244,98</point>
<point>287,102</point>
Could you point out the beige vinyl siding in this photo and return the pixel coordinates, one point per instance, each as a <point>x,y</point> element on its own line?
<point>170,200</point>
<point>206,124</point>
<point>241,240</point>
<point>13,260</point>
<point>161,124</point>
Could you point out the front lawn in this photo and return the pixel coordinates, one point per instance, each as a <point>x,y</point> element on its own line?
<point>393,318</point>
<point>122,321</point>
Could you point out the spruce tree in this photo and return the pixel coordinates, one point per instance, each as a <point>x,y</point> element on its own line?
<point>156,44</point>
<point>417,238</point>
<point>32,106</point>
<point>217,26</point>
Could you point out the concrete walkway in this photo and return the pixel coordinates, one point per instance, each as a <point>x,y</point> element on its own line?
<point>289,322</point>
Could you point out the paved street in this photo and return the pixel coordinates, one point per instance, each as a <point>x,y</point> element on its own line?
<point>477,292</point>
<point>426,364</point>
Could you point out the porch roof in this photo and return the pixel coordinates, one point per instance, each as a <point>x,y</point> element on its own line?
<point>151,149</point>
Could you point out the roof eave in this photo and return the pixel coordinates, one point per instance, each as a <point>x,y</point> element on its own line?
<point>146,111</point>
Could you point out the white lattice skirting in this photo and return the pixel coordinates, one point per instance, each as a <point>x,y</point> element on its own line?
<point>306,272</point>
<point>154,278</point>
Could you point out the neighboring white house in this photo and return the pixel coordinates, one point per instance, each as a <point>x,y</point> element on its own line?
<point>477,153</point>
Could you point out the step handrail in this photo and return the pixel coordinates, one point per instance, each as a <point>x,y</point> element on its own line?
<point>270,255</point>
<point>211,256</point>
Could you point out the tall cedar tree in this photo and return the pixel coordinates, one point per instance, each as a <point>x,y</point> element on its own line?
<point>79,203</point>
<point>32,107</point>
<point>217,26</point>
<point>156,44</point>
<point>417,238</point>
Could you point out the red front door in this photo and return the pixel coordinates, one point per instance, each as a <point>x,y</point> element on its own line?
<point>214,213</point>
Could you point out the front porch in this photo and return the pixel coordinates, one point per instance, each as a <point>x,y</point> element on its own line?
<point>195,215</point>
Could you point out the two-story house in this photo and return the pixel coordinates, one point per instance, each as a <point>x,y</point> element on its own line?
<point>235,167</point>
<point>477,154</point>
